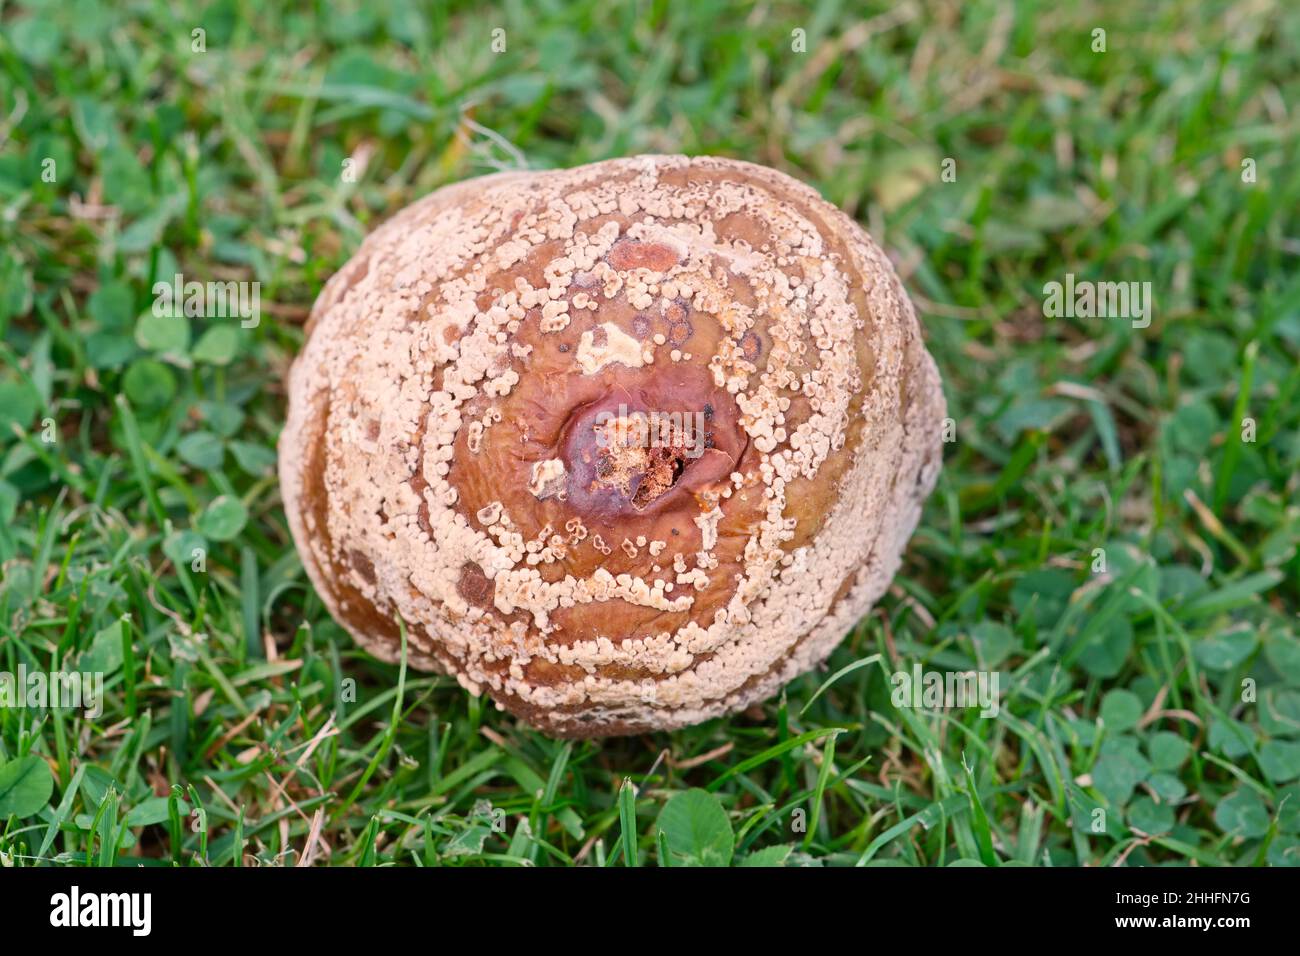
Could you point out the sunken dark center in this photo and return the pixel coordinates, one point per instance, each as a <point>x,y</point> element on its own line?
<point>641,456</point>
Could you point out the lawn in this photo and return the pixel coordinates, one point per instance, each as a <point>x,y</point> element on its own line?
<point>1114,532</point>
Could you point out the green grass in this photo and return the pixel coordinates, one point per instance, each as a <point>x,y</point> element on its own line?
<point>231,734</point>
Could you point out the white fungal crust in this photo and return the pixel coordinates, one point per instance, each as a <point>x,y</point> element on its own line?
<point>447,459</point>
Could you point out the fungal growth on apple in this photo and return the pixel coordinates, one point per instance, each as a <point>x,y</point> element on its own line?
<point>626,446</point>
